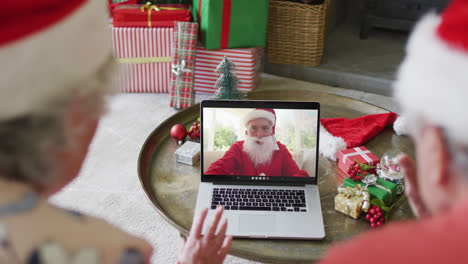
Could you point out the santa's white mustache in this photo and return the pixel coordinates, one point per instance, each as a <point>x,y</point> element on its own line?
<point>259,150</point>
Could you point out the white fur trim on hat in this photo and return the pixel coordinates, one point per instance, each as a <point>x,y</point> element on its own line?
<point>330,145</point>
<point>259,113</point>
<point>433,79</point>
<point>36,68</point>
<point>400,126</point>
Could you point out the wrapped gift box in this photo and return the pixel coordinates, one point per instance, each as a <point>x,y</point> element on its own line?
<point>360,154</point>
<point>145,58</point>
<point>150,15</point>
<point>188,153</point>
<point>384,190</point>
<point>350,201</point>
<point>183,64</point>
<point>248,66</point>
<point>232,24</point>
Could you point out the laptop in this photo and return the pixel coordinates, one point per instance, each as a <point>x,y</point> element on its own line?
<point>271,195</point>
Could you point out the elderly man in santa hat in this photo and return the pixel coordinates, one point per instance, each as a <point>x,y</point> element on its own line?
<point>259,154</point>
<point>432,88</point>
<point>56,64</point>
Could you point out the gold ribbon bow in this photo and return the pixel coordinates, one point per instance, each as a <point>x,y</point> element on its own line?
<point>148,6</point>
<point>356,192</point>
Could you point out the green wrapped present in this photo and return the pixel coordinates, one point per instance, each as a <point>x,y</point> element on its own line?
<point>378,187</point>
<point>231,24</point>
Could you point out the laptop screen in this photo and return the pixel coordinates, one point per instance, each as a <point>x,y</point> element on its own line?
<point>260,141</point>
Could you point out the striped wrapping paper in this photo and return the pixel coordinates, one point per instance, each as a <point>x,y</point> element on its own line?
<point>145,57</point>
<point>183,65</point>
<point>247,61</point>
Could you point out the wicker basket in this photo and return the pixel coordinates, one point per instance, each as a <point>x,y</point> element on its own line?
<point>296,32</point>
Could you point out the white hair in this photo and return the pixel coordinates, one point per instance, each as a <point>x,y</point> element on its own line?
<point>27,142</point>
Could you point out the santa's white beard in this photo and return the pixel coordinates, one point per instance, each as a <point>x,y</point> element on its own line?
<point>259,153</point>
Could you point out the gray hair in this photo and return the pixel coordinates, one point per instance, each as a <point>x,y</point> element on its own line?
<point>27,143</point>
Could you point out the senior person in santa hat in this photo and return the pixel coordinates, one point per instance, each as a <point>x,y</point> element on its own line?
<point>56,62</point>
<point>432,89</point>
<point>259,154</point>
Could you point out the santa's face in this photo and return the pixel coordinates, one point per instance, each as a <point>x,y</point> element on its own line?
<point>259,128</point>
<point>259,143</point>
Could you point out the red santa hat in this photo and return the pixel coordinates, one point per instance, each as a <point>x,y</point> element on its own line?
<point>45,47</point>
<point>432,81</point>
<point>266,113</point>
<point>341,133</point>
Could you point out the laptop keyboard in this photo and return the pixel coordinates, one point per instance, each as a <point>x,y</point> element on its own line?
<point>259,199</point>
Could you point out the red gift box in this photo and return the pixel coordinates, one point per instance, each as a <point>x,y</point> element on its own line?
<point>145,57</point>
<point>248,67</point>
<point>360,154</point>
<point>150,15</point>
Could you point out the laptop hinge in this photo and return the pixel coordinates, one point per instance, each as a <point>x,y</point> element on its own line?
<point>260,183</point>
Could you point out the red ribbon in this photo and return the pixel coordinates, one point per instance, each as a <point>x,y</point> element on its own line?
<point>199,19</point>
<point>225,24</point>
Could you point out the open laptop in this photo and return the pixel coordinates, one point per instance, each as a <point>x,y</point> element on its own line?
<point>276,197</point>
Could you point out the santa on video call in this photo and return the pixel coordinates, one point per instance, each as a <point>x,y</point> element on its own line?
<point>259,154</point>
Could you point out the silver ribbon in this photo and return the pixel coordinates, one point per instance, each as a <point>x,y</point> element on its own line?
<point>360,153</point>
<point>180,68</point>
<point>371,180</point>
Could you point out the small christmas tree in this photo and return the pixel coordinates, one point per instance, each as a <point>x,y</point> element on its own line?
<point>227,82</point>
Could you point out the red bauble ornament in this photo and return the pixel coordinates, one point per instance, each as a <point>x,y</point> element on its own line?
<point>178,133</point>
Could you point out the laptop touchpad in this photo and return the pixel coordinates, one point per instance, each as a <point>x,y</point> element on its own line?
<point>257,223</point>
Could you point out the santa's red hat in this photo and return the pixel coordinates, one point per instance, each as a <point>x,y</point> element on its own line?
<point>341,133</point>
<point>45,47</point>
<point>266,113</point>
<point>432,81</point>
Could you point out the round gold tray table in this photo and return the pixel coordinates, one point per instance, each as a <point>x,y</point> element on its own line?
<point>172,187</point>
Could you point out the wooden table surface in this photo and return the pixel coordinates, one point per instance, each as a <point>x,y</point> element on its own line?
<point>172,187</point>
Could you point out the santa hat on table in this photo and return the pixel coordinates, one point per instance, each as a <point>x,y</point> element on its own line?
<point>432,81</point>
<point>266,113</point>
<point>46,46</point>
<point>341,133</point>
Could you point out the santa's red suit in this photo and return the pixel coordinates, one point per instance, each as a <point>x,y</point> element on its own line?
<point>237,162</point>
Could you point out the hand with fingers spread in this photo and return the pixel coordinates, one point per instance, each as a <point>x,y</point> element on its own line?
<point>408,166</point>
<point>211,248</point>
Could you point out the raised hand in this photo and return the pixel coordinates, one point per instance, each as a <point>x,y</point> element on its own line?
<point>211,248</point>
<point>408,167</point>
